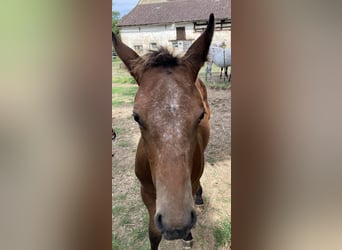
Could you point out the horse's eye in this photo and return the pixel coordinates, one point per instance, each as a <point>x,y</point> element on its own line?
<point>201,117</point>
<point>136,118</point>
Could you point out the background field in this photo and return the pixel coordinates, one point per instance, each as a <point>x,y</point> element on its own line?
<point>130,217</point>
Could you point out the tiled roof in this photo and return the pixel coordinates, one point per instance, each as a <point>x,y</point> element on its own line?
<point>177,11</point>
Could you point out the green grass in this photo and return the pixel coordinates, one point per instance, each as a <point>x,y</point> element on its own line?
<point>123,95</point>
<point>119,130</point>
<point>117,210</point>
<point>217,85</point>
<point>125,91</point>
<point>116,242</point>
<point>135,229</point>
<point>141,233</point>
<point>123,80</point>
<point>117,102</point>
<point>206,200</point>
<point>121,197</point>
<point>123,144</point>
<point>211,159</point>
<point>120,73</point>
<point>125,219</point>
<point>222,233</point>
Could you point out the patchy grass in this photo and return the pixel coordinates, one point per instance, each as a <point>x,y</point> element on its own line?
<point>119,130</point>
<point>131,231</point>
<point>125,220</point>
<point>125,91</point>
<point>123,80</point>
<point>211,159</point>
<point>119,72</point>
<point>123,95</point>
<point>123,144</point>
<point>116,61</point>
<point>117,210</point>
<point>222,233</point>
<point>116,242</point>
<point>141,233</point>
<point>218,85</point>
<point>117,102</point>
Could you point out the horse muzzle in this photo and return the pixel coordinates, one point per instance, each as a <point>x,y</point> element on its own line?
<point>179,232</point>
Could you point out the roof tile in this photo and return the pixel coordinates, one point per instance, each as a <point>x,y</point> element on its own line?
<point>177,11</point>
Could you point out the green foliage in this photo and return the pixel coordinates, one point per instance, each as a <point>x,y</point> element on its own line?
<point>115,20</point>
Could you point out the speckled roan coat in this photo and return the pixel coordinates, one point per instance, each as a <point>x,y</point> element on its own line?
<point>172,111</point>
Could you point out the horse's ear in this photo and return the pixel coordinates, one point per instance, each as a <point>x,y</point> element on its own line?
<point>198,51</point>
<point>126,54</point>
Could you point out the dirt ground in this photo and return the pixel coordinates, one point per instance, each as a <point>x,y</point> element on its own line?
<point>216,180</point>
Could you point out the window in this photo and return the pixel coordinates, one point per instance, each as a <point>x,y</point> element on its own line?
<point>180,33</point>
<point>153,45</point>
<point>138,48</point>
<point>174,44</point>
<point>224,24</point>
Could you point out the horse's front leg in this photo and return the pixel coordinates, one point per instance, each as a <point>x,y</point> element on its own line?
<point>198,196</point>
<point>149,199</point>
<point>230,74</point>
<point>226,72</point>
<point>188,241</point>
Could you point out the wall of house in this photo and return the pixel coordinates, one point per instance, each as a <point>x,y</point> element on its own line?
<point>145,37</point>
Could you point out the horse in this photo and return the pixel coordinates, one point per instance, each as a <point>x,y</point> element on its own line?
<point>113,137</point>
<point>222,58</point>
<point>172,112</point>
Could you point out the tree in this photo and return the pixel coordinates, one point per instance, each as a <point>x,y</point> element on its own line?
<point>115,20</point>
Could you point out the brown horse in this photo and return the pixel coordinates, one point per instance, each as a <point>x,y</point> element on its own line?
<point>172,111</point>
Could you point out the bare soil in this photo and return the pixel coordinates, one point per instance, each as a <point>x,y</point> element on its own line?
<point>216,180</point>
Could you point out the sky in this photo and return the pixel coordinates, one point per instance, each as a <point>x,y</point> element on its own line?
<point>123,6</point>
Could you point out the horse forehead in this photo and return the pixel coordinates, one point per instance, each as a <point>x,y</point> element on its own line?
<point>166,93</point>
<point>171,101</point>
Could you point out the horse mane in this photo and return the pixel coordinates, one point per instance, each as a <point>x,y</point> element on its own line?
<point>161,57</point>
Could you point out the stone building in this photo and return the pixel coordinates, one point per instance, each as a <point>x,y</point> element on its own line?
<point>174,23</point>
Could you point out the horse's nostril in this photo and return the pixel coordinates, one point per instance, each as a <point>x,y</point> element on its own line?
<point>193,218</point>
<point>158,221</point>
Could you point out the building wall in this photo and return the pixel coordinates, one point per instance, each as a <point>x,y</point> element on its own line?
<point>165,35</point>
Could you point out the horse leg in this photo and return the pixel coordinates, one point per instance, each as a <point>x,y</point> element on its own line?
<point>230,73</point>
<point>226,72</point>
<point>198,196</point>
<point>149,199</point>
<point>188,241</point>
<point>221,73</point>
